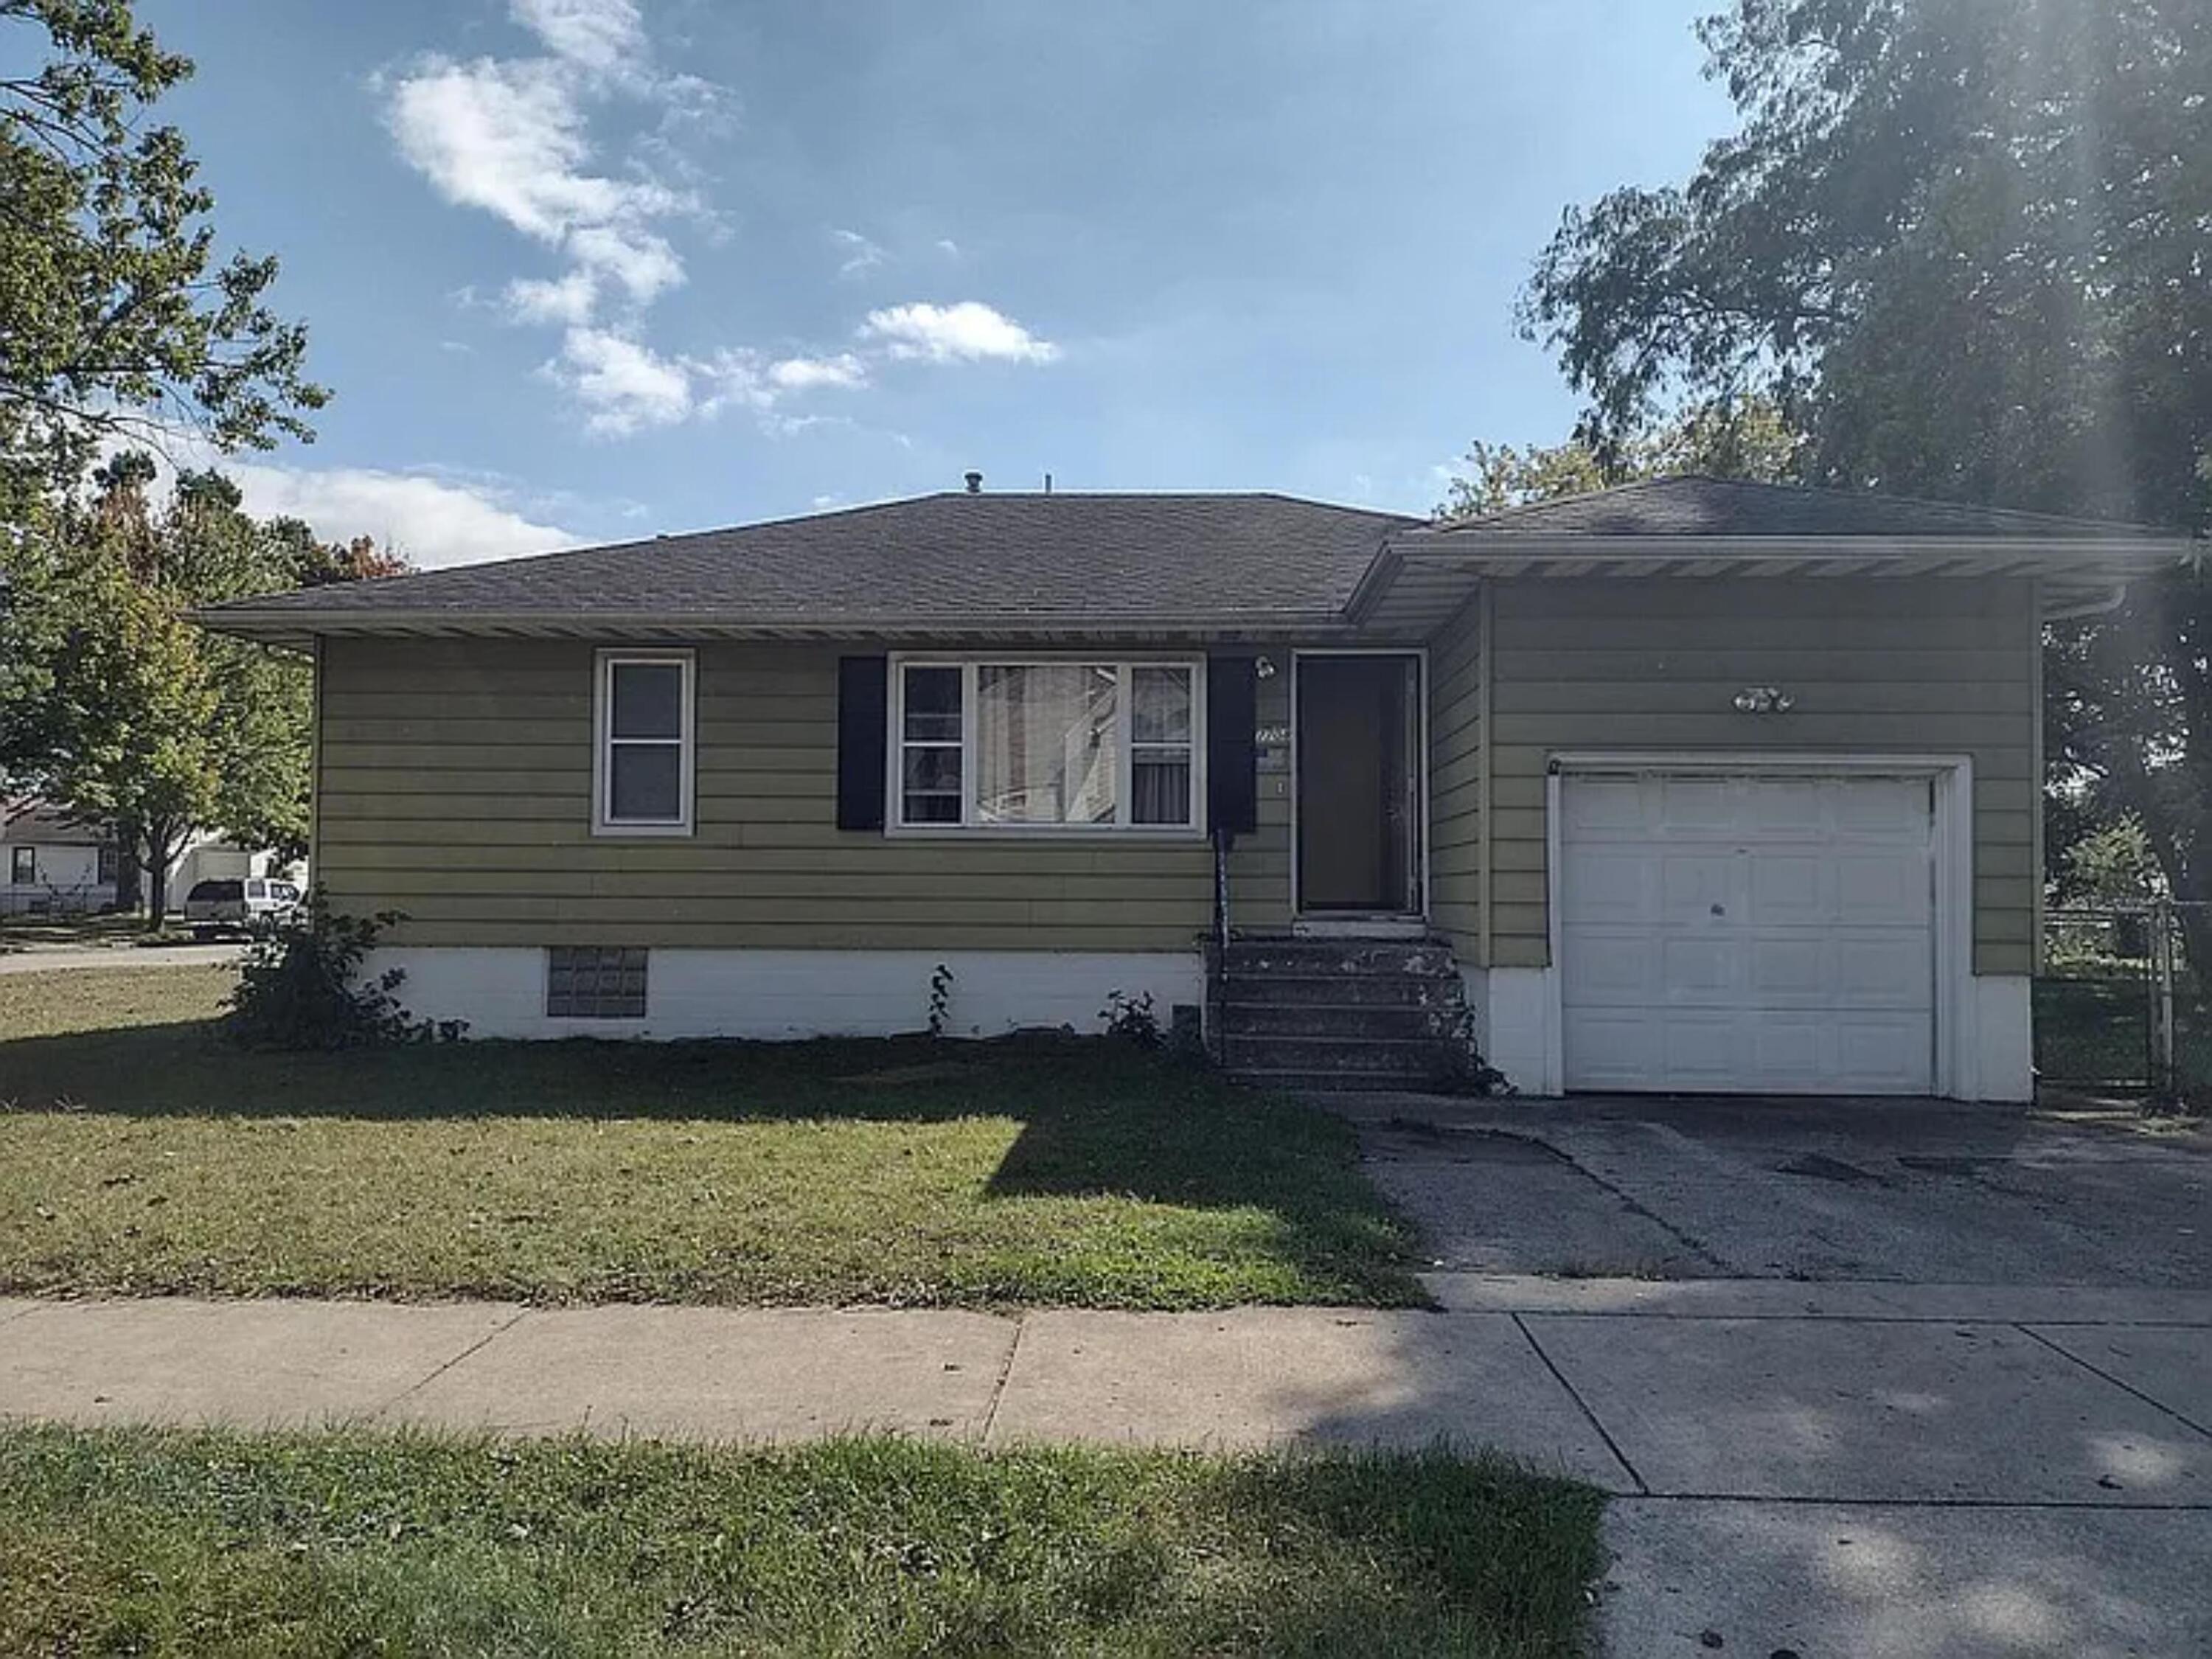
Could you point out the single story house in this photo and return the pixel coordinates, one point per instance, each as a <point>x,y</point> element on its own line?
<point>52,864</point>
<point>1687,786</point>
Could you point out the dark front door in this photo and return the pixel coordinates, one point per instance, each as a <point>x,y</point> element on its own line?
<point>1358,747</point>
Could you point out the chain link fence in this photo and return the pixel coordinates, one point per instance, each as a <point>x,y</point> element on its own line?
<point>2123,1006</point>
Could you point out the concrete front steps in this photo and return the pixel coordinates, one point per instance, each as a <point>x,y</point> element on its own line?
<point>1340,1013</point>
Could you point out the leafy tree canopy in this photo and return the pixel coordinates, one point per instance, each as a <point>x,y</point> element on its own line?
<point>114,706</point>
<point>1734,438</point>
<point>115,315</point>
<point>1961,242</point>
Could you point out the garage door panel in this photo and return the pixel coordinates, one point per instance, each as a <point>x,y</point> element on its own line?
<point>1748,933</point>
<point>1695,887</point>
<point>1616,969</point>
<point>1785,808</point>
<point>1793,1052</point>
<point>1694,971</point>
<point>1704,1049</point>
<point>1899,807</point>
<point>1884,970</point>
<point>1883,1053</point>
<point>1608,807</point>
<point>1606,886</point>
<point>1789,969</point>
<point>1788,888</point>
<point>1618,1045</point>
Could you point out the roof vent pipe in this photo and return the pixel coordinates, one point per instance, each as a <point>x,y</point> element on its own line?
<point>974,482</point>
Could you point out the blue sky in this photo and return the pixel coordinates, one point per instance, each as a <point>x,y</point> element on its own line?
<point>586,270</point>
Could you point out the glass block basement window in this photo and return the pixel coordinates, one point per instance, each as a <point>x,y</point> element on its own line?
<point>595,982</point>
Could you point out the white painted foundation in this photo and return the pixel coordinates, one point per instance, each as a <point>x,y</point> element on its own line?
<point>1990,1056</point>
<point>2003,1037</point>
<point>500,991</point>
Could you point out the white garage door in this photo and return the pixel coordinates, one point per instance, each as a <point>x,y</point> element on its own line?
<point>1748,934</point>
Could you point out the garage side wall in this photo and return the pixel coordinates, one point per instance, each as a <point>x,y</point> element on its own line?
<point>1939,667</point>
<point>1456,784</point>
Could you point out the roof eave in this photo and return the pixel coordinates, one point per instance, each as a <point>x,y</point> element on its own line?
<point>1423,576</point>
<point>300,627</point>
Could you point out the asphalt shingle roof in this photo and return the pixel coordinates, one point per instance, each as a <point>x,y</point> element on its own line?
<point>945,557</point>
<point>935,563</point>
<point>1697,505</point>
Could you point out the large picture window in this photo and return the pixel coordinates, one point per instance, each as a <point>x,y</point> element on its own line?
<point>642,773</point>
<point>1048,745</point>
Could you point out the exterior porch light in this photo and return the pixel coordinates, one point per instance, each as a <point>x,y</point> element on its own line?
<point>1764,700</point>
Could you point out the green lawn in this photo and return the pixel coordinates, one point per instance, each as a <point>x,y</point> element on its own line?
<point>210,1545</point>
<point>140,1154</point>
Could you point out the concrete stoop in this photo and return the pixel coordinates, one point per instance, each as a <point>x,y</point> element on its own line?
<point>1333,1013</point>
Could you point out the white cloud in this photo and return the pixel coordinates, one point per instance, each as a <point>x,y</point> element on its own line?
<point>435,516</point>
<point>567,299</point>
<point>602,37</point>
<point>861,254</point>
<point>625,386</point>
<point>948,247</point>
<point>509,138</point>
<point>433,522</point>
<point>512,137</point>
<point>640,260</point>
<point>970,331</point>
<point>806,373</point>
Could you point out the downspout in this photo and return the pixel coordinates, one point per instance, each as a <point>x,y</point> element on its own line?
<point>2035,836</point>
<point>1483,749</point>
<point>315,774</point>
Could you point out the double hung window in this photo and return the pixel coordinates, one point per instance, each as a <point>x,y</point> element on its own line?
<point>642,781</point>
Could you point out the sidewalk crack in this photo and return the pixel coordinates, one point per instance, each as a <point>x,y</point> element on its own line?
<point>1574,1393</point>
<point>2180,1417</point>
<point>999,1390</point>
<point>439,1370</point>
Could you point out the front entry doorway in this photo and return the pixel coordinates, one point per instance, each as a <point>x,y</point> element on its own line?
<point>1357,749</point>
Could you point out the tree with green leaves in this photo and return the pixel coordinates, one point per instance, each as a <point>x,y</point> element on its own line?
<point>1740,438</point>
<point>126,723</point>
<point>117,317</point>
<point>1961,245</point>
<point>111,677</point>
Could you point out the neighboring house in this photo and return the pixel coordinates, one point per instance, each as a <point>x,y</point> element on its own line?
<point>58,864</point>
<point>54,864</point>
<point>1700,786</point>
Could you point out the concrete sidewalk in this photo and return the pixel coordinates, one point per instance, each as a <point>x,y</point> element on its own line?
<point>1819,1470</point>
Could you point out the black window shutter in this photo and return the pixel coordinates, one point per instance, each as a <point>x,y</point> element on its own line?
<point>863,732</point>
<point>1232,749</point>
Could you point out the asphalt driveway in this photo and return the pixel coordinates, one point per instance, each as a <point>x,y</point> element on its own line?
<point>1925,1192</point>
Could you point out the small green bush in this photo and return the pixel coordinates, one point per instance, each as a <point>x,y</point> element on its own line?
<point>301,987</point>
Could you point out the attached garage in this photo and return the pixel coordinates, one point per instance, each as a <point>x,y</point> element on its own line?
<point>1770,931</point>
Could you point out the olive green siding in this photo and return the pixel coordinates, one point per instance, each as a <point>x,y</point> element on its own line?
<point>1456,783</point>
<point>1937,667</point>
<point>454,777</point>
<point>455,780</point>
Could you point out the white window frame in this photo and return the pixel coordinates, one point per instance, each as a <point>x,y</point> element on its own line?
<point>1125,749</point>
<point>604,823</point>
